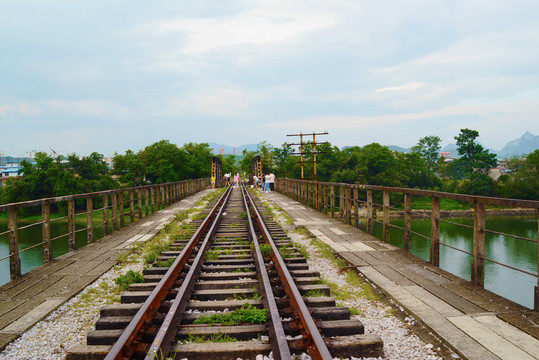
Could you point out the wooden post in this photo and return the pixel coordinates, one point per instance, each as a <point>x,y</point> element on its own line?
<point>152,195</point>
<point>478,266</point>
<point>369,212</point>
<point>89,220</point>
<point>356,207</point>
<point>46,231</point>
<point>146,204</point>
<point>158,198</point>
<point>435,232</point>
<point>332,200</point>
<point>325,199</point>
<point>71,225</point>
<point>163,203</point>
<point>114,206</point>
<point>536,302</point>
<point>122,209</point>
<point>348,203</point>
<point>105,214</point>
<point>132,205</point>
<point>407,239</point>
<point>139,202</point>
<point>341,203</point>
<point>386,228</point>
<point>14,259</point>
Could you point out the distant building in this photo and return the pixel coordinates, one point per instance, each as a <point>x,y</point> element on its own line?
<point>446,155</point>
<point>499,170</point>
<point>9,171</point>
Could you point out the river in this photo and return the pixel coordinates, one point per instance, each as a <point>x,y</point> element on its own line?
<point>508,283</point>
<point>511,284</point>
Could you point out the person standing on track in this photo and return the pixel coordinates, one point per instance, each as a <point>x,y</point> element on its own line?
<point>237,180</point>
<point>271,179</point>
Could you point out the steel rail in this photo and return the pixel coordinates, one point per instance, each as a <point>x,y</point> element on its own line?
<point>126,344</point>
<point>162,343</point>
<point>311,335</point>
<point>279,344</point>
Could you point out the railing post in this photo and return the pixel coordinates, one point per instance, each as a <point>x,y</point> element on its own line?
<point>386,228</point>
<point>341,203</point>
<point>369,211</point>
<point>89,220</point>
<point>122,209</point>
<point>356,207</point>
<point>71,225</point>
<point>407,239</point>
<point>152,194</point>
<point>46,231</point>
<point>163,203</point>
<point>325,199</point>
<point>536,298</point>
<point>114,206</point>
<point>348,204</point>
<point>478,266</point>
<point>146,204</point>
<point>132,206</point>
<point>105,214</point>
<point>435,232</point>
<point>139,202</point>
<point>14,259</point>
<point>332,200</point>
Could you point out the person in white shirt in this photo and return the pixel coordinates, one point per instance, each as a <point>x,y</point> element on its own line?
<point>271,180</point>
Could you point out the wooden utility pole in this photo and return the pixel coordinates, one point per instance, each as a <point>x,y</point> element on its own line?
<point>314,152</point>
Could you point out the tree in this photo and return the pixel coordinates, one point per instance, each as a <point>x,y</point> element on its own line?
<point>473,155</point>
<point>523,182</point>
<point>429,148</point>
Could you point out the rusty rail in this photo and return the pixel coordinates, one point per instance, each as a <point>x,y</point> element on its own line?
<point>312,338</point>
<point>155,197</point>
<point>279,344</point>
<point>346,199</point>
<point>126,344</point>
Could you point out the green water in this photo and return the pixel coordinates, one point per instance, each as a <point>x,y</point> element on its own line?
<point>511,284</point>
<point>33,258</point>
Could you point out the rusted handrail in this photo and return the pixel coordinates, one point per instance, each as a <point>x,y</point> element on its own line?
<point>161,195</point>
<point>345,199</point>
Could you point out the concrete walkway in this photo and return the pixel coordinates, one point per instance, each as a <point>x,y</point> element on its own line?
<point>474,322</point>
<point>29,299</point>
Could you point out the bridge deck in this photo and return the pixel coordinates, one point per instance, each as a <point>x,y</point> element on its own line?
<point>29,299</point>
<point>475,323</point>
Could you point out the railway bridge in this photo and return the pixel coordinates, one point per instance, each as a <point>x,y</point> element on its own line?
<point>471,321</point>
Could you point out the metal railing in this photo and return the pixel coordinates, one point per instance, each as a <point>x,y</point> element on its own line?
<point>139,201</point>
<point>348,198</point>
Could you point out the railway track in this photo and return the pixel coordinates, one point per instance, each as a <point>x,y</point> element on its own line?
<point>236,289</point>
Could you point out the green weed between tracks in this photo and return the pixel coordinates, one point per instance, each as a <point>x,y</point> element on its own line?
<point>246,314</point>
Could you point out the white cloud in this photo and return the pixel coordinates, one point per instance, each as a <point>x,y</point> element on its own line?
<point>266,23</point>
<point>99,108</point>
<point>22,108</point>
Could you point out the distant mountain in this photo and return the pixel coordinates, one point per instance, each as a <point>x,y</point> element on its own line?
<point>526,144</point>
<point>399,149</point>
<point>229,149</point>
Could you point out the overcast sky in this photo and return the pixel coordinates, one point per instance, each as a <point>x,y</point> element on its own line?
<point>107,76</point>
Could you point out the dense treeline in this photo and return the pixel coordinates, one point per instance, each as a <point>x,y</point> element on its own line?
<point>422,168</point>
<point>157,163</point>
<point>372,164</point>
